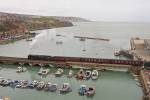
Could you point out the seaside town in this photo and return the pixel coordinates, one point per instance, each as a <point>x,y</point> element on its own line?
<point>54,57</point>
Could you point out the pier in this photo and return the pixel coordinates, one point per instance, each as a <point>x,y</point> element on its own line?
<point>85,37</point>
<point>140,49</point>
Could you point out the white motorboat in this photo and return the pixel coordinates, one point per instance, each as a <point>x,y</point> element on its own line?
<point>59,72</point>
<point>70,74</point>
<point>88,75</point>
<point>90,91</point>
<point>44,71</point>
<point>95,74</point>
<point>65,88</point>
<point>21,69</point>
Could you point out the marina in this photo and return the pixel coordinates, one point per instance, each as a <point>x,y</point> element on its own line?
<point>114,79</point>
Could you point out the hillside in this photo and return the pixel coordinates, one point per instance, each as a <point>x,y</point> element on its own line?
<point>28,22</point>
<point>70,19</point>
<point>15,26</point>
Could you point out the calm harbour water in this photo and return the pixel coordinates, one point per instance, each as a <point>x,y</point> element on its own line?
<point>110,86</point>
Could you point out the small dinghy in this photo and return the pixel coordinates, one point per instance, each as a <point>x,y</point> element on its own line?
<point>82,90</point>
<point>88,75</point>
<point>59,72</point>
<point>21,69</point>
<point>90,91</point>
<point>53,87</point>
<point>70,74</point>
<point>95,74</point>
<point>80,75</point>
<point>65,88</point>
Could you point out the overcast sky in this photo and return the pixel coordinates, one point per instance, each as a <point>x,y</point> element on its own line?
<point>100,10</point>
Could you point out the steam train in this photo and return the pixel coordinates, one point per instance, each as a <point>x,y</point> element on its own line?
<point>86,60</point>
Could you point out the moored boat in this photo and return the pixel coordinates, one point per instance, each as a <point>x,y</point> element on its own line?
<point>47,86</point>
<point>40,71</point>
<point>59,72</point>
<point>53,87</point>
<point>82,90</point>
<point>80,75</point>
<point>70,74</point>
<point>24,84</point>
<point>117,53</point>
<point>40,85</point>
<point>33,84</point>
<point>88,75</point>
<point>18,85</point>
<point>21,69</point>
<point>4,82</point>
<point>44,71</point>
<point>86,90</point>
<point>95,74</point>
<point>65,88</point>
<point>90,91</point>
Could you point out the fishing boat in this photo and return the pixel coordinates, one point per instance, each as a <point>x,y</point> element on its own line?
<point>82,90</point>
<point>4,82</point>
<point>33,84</point>
<point>95,74</point>
<point>47,86</point>
<point>30,85</point>
<point>65,88</point>
<point>90,91</point>
<point>59,72</point>
<point>40,85</point>
<point>12,84</point>
<point>44,72</point>
<point>18,85</point>
<point>80,75</point>
<point>88,75</point>
<point>53,87</point>
<point>70,74</point>
<point>24,83</point>
<point>21,69</point>
<point>117,53</point>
